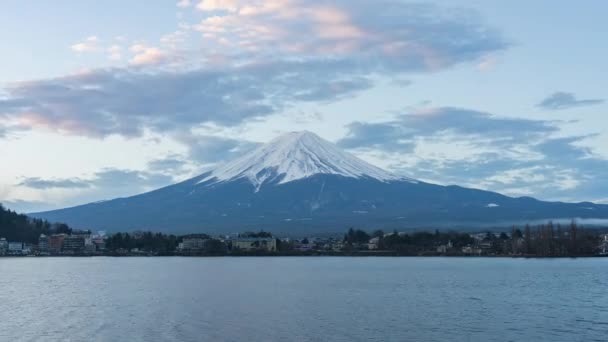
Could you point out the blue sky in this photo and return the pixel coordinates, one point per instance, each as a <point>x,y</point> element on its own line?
<point>107,99</point>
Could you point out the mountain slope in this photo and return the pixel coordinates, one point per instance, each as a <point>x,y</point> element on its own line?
<point>300,183</point>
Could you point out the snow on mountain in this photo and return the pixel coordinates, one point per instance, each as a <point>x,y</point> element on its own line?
<point>294,156</point>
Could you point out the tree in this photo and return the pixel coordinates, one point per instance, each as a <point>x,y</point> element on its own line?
<point>20,228</point>
<point>573,248</point>
<point>378,233</point>
<point>356,236</point>
<point>527,239</point>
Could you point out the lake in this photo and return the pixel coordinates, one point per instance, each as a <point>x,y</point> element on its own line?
<point>303,299</point>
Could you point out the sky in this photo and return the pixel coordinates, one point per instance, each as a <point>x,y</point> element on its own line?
<point>106,99</point>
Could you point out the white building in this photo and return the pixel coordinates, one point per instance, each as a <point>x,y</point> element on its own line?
<point>373,243</point>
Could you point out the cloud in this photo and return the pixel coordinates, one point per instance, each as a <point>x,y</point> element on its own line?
<point>184,3</point>
<point>8,128</point>
<point>145,55</point>
<point>115,52</point>
<point>205,149</point>
<point>175,38</point>
<point>564,100</point>
<point>381,35</point>
<point>90,44</point>
<point>38,194</point>
<point>518,157</point>
<point>257,59</point>
<point>125,102</point>
<point>400,134</point>
<point>106,178</point>
<point>215,5</point>
<point>171,164</point>
<point>39,183</point>
<point>121,179</point>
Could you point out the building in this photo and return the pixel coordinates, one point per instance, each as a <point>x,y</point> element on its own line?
<point>27,249</point>
<point>56,243</point>
<point>89,246</point>
<point>304,245</point>
<point>444,248</point>
<point>193,244</point>
<point>73,244</point>
<point>43,244</point>
<point>603,248</point>
<point>99,242</point>
<point>255,244</point>
<point>468,250</point>
<point>373,243</point>
<point>3,246</point>
<point>337,246</point>
<point>15,248</point>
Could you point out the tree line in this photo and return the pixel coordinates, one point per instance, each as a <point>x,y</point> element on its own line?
<point>20,227</point>
<point>555,240</point>
<point>544,240</point>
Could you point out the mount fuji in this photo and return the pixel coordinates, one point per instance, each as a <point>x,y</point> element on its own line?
<point>300,183</point>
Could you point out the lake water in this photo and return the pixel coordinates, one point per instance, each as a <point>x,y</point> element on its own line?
<point>303,299</point>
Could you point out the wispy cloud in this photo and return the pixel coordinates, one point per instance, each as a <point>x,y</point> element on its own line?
<point>146,55</point>
<point>39,183</point>
<point>90,44</point>
<point>106,178</point>
<point>563,100</point>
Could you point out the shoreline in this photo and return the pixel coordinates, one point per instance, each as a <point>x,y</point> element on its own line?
<point>365,255</point>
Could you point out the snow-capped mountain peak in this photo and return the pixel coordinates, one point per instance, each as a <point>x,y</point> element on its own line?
<point>294,156</point>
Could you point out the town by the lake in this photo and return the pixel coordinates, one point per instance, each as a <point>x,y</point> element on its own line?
<point>547,240</point>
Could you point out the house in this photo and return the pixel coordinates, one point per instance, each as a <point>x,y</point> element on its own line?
<point>254,243</point>
<point>373,243</point>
